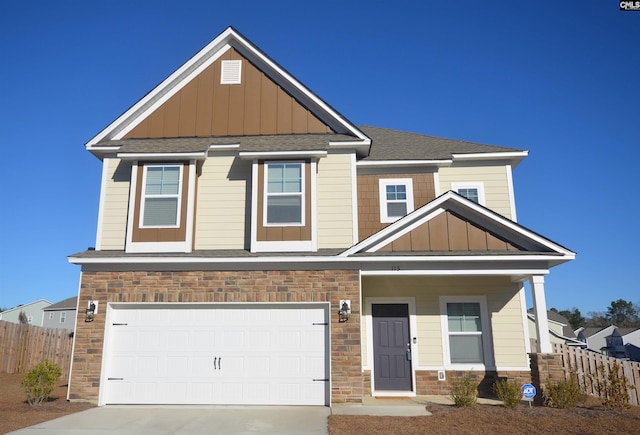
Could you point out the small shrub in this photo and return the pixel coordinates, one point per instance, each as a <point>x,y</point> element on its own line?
<point>509,392</point>
<point>39,382</point>
<point>563,394</point>
<point>464,390</point>
<point>612,386</point>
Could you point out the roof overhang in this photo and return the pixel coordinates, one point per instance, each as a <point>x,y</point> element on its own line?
<point>514,157</point>
<point>282,155</point>
<point>163,156</point>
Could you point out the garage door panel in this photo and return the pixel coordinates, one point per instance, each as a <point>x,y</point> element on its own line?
<point>237,354</point>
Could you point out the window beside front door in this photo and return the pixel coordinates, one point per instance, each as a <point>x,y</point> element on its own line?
<point>396,198</point>
<point>284,193</point>
<point>465,326</point>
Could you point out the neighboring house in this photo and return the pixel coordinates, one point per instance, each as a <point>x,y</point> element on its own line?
<point>61,315</point>
<point>631,339</point>
<point>254,246</point>
<point>595,338</point>
<point>612,341</point>
<point>32,310</point>
<point>559,329</point>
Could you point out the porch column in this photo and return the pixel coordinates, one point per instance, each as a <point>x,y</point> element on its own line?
<point>540,311</point>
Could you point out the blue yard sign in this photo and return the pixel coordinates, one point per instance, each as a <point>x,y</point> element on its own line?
<point>528,391</point>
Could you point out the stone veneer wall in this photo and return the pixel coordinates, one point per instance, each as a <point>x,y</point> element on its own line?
<point>545,367</point>
<point>221,286</point>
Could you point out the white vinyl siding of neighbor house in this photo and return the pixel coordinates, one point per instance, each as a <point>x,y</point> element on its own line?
<point>221,209</point>
<point>494,178</point>
<point>503,307</point>
<point>335,201</point>
<point>112,221</point>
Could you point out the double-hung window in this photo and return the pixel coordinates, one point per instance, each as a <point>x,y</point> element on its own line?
<point>284,193</point>
<point>396,198</point>
<point>63,316</point>
<point>466,331</point>
<point>161,196</point>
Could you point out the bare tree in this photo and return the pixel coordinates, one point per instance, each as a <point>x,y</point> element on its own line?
<point>22,318</point>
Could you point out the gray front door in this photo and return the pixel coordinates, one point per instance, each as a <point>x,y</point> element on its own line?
<point>391,355</point>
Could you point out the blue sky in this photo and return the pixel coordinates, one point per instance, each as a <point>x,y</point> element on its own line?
<point>560,79</point>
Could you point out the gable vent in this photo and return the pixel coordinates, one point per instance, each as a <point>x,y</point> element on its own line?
<point>231,72</point>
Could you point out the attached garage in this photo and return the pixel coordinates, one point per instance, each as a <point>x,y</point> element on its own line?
<point>230,353</point>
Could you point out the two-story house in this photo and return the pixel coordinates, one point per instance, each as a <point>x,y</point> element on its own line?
<point>254,246</point>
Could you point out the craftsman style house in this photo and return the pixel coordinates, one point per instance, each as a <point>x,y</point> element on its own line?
<point>256,247</point>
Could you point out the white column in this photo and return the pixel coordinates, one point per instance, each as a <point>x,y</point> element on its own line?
<point>540,311</point>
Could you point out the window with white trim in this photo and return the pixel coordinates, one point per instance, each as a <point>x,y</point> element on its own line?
<point>30,320</point>
<point>396,198</point>
<point>63,316</point>
<point>472,191</point>
<point>161,196</point>
<point>284,196</point>
<point>466,333</point>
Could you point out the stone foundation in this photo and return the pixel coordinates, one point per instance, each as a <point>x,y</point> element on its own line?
<point>428,384</point>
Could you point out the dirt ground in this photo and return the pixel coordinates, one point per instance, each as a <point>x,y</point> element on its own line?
<point>15,412</point>
<point>588,418</point>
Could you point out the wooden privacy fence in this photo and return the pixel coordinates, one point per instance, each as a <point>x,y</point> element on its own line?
<point>585,364</point>
<point>23,346</point>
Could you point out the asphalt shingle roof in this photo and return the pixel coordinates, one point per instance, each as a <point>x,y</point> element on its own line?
<point>386,144</point>
<point>390,144</point>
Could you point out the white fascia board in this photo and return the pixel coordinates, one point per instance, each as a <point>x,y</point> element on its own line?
<point>514,156</point>
<point>168,87</point>
<point>322,259</point>
<point>162,156</point>
<point>403,163</point>
<point>227,147</point>
<point>281,154</point>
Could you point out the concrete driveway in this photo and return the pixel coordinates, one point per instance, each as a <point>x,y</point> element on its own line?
<point>136,420</point>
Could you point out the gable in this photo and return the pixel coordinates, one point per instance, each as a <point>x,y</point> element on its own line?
<point>453,224</point>
<point>205,107</point>
<point>259,98</point>
<point>448,232</point>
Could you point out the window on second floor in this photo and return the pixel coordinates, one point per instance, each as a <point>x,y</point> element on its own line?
<point>51,315</point>
<point>161,196</point>
<point>396,198</point>
<point>63,316</point>
<point>284,193</point>
<point>473,191</point>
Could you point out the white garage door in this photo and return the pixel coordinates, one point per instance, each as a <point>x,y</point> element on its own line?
<point>258,354</point>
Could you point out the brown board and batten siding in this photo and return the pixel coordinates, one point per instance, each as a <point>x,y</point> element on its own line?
<point>448,232</point>
<point>161,234</point>
<point>204,108</point>
<point>284,233</point>
<point>369,199</point>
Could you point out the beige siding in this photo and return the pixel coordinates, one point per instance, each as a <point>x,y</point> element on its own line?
<point>495,179</point>
<point>334,204</point>
<point>503,305</point>
<point>221,209</point>
<point>113,229</point>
